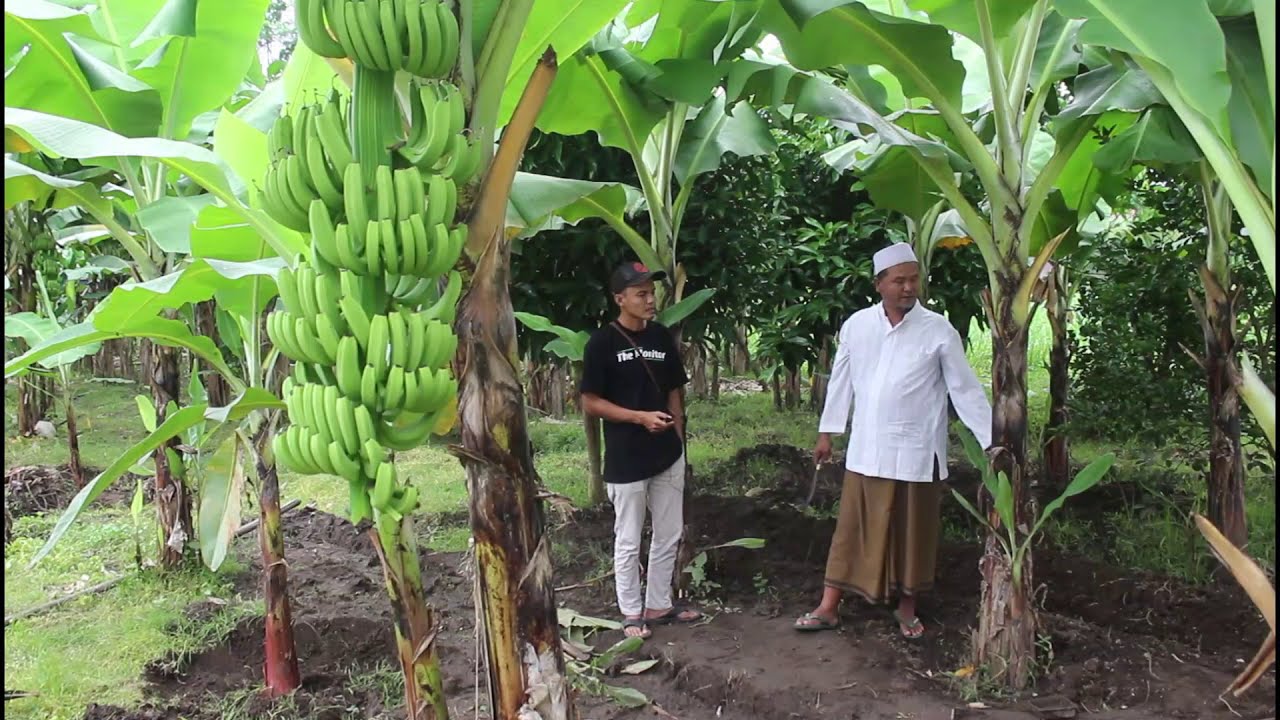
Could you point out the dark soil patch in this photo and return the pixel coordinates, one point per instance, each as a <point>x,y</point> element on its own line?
<point>1126,645</point>
<point>31,489</point>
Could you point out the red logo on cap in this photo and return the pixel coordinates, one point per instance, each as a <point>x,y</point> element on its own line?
<point>639,267</point>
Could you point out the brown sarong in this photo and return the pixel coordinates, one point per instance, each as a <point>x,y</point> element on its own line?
<point>886,538</point>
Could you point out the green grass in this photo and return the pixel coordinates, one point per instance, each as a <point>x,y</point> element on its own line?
<point>107,419</point>
<point>93,648</point>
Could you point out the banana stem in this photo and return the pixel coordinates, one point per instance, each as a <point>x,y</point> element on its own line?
<point>416,627</point>
<point>374,119</point>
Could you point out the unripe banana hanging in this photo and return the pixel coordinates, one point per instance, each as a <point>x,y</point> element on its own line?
<point>359,312</point>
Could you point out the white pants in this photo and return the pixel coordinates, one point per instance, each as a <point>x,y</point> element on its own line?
<point>663,495</point>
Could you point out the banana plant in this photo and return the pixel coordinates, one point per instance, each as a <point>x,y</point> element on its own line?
<point>999,521</point>
<point>1032,158</point>
<point>651,83</point>
<point>497,58</point>
<point>34,328</point>
<point>231,442</point>
<point>1214,64</point>
<point>130,111</point>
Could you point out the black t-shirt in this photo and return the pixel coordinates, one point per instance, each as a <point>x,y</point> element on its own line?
<point>612,369</point>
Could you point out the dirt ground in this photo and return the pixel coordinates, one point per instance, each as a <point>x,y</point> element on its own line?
<point>1124,644</point>
<point>29,489</point>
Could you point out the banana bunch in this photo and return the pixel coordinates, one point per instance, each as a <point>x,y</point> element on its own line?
<point>438,141</point>
<point>403,228</point>
<point>363,313</point>
<point>363,384</point>
<point>420,37</point>
<point>308,154</point>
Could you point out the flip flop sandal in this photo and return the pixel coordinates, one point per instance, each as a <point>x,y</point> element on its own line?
<point>818,623</point>
<point>908,629</point>
<point>672,616</point>
<point>636,623</point>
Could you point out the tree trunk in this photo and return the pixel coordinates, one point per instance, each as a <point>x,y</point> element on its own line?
<point>33,403</point>
<point>33,389</point>
<point>715,376</point>
<point>741,352</point>
<point>556,390</point>
<point>776,382</point>
<point>416,627</point>
<point>173,504</point>
<point>1226,461</point>
<point>821,376</point>
<point>698,369</point>
<point>793,388</point>
<point>1005,642</point>
<point>513,556</point>
<point>518,613</point>
<point>1057,456</point>
<point>595,458</point>
<point>216,387</point>
<point>73,439</point>
<point>280,666</point>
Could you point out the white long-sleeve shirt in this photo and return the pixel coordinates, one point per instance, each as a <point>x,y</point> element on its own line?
<point>896,381</point>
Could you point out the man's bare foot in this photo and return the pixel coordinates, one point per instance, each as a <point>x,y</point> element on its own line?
<point>672,615</point>
<point>820,619</point>
<point>910,626</point>
<point>635,627</point>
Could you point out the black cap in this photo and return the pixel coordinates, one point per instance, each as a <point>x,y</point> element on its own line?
<point>632,273</point>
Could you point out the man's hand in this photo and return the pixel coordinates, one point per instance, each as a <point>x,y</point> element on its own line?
<point>822,451</point>
<point>655,421</point>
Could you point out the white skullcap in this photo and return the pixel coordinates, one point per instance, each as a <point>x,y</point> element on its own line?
<point>895,254</point>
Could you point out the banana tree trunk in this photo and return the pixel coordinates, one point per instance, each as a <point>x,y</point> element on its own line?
<point>207,325</point>
<point>697,359</point>
<point>1005,641</point>
<point>821,374</point>
<point>793,388</point>
<point>518,614</point>
<point>1226,460</point>
<point>416,626</point>
<point>280,665</point>
<point>715,376</point>
<point>595,458</point>
<point>173,504</point>
<point>741,352</point>
<point>513,555</point>
<point>73,437</point>
<point>556,390</point>
<point>1057,457</point>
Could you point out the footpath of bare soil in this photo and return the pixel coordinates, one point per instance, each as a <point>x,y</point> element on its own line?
<point>1125,644</point>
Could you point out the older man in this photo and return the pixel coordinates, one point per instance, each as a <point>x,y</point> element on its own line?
<point>895,366</point>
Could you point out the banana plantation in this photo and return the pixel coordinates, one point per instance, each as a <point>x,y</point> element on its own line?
<point>299,309</point>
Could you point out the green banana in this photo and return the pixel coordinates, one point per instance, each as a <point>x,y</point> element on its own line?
<point>390,247</point>
<point>361,508</point>
<point>349,254</point>
<point>357,319</point>
<point>383,485</point>
<point>324,233</point>
<point>378,351</point>
<point>373,248</point>
<point>309,15</point>
<point>391,33</point>
<point>348,367</point>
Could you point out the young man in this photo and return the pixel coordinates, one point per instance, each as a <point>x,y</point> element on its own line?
<point>631,377</point>
<point>896,364</point>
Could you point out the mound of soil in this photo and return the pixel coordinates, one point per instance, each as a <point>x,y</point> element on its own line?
<point>31,489</point>
<point>1125,645</point>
